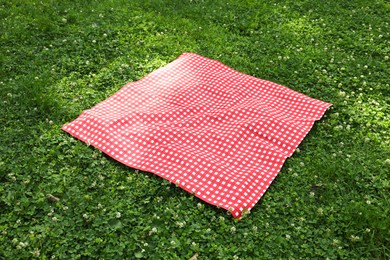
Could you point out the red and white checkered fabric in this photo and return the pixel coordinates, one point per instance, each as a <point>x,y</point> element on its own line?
<point>217,133</point>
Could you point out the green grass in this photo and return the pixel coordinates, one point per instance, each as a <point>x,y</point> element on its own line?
<point>58,58</point>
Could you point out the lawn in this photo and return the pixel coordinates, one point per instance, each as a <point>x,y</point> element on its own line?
<point>58,58</point>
